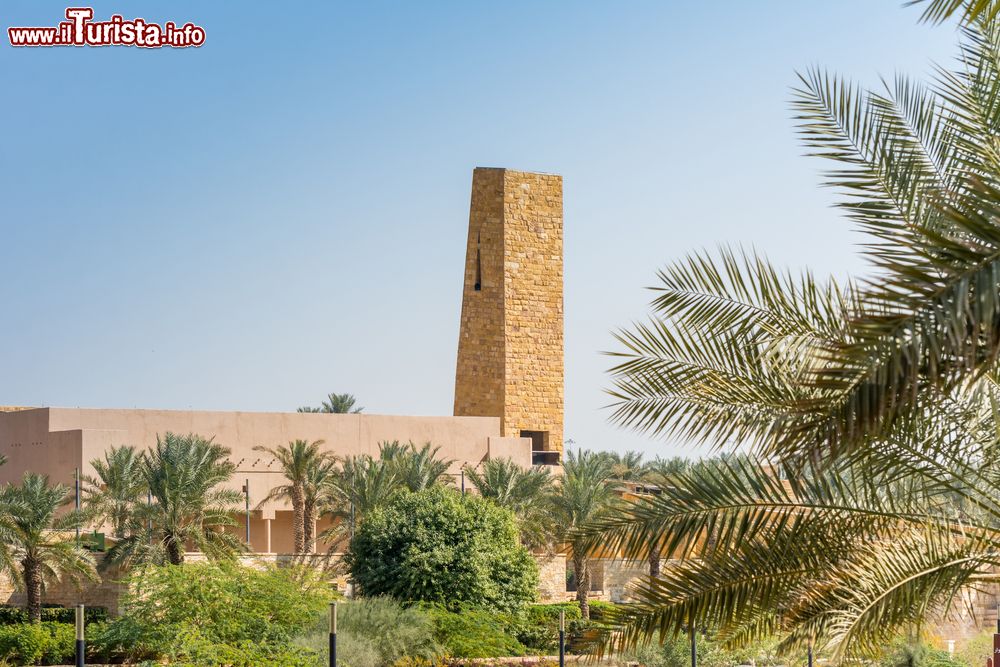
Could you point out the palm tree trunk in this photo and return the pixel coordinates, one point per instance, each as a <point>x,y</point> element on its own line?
<point>654,560</point>
<point>581,568</point>
<point>175,552</point>
<point>33,588</point>
<point>298,517</point>
<point>309,525</point>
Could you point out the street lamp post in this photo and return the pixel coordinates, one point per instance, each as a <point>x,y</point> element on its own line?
<point>81,645</point>
<point>333,634</point>
<point>562,638</point>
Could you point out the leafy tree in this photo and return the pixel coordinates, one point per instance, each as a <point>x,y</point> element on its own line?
<point>438,546</point>
<point>298,461</point>
<point>116,494</point>
<point>870,408</point>
<point>184,474</point>
<point>527,492</point>
<point>336,404</point>
<point>34,544</point>
<point>582,496</point>
<point>416,469</point>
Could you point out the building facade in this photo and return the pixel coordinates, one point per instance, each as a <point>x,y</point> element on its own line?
<point>508,387</point>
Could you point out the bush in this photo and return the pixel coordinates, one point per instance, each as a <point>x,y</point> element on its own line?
<point>439,546</point>
<point>373,632</point>
<point>30,644</point>
<point>474,633</point>
<point>218,604</point>
<point>13,615</point>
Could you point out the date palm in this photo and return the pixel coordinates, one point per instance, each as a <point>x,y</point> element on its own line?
<point>36,542</point>
<point>116,493</point>
<point>527,492</point>
<point>320,478</point>
<point>583,495</point>
<point>875,400</point>
<point>336,404</point>
<point>362,485</point>
<point>416,468</point>
<point>297,460</point>
<point>190,507</point>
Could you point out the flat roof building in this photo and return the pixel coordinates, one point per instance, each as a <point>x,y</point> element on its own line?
<point>508,387</point>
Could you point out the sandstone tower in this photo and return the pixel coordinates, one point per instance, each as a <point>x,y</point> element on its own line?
<point>510,346</point>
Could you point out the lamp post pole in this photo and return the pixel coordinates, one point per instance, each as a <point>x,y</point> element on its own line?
<point>333,634</point>
<point>77,521</point>
<point>81,646</point>
<point>562,638</point>
<point>694,647</point>
<point>246,490</point>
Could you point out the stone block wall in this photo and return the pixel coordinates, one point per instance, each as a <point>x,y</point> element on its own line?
<point>510,350</point>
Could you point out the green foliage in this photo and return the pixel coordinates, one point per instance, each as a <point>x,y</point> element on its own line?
<point>336,404</point>
<point>184,474</point>
<point>14,615</point>
<point>115,495</point>
<point>676,652</point>
<point>35,545</point>
<point>373,632</point>
<point>192,647</point>
<point>219,603</point>
<point>527,492</point>
<point>906,653</point>
<point>439,546</point>
<point>474,633</point>
<point>38,643</point>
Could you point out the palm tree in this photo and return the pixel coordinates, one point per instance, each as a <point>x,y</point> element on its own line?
<point>527,492</point>
<point>870,408</point>
<point>363,485</point>
<point>337,404</point>
<point>627,467</point>
<point>967,10</point>
<point>296,460</point>
<point>115,495</point>
<point>583,495</point>
<point>320,480</point>
<point>184,474</point>
<point>416,469</point>
<point>35,542</point>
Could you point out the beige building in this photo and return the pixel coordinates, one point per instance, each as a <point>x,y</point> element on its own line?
<point>508,388</point>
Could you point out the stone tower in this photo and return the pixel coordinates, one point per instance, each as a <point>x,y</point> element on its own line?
<point>510,347</point>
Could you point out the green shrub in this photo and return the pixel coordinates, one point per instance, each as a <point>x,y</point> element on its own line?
<point>46,643</point>
<point>193,649</point>
<point>372,632</point>
<point>439,546</point>
<point>12,615</point>
<point>229,605</point>
<point>474,633</point>
<point>537,627</point>
<point>904,653</point>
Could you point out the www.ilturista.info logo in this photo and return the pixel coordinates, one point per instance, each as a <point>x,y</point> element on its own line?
<point>80,30</point>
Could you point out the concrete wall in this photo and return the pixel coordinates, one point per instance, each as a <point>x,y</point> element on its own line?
<point>56,441</point>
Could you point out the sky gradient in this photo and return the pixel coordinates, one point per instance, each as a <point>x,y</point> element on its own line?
<point>282,212</point>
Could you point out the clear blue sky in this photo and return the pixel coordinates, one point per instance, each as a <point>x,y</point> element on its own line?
<point>282,212</point>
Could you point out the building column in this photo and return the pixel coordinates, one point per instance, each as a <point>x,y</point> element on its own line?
<point>267,536</point>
